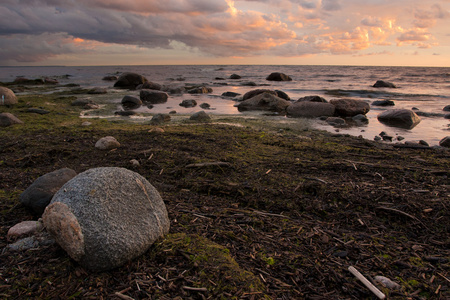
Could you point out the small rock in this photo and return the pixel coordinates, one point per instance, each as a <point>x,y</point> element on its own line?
<point>131,102</point>
<point>423,143</point>
<point>159,119</point>
<point>39,111</point>
<point>200,116</point>
<point>107,143</point>
<point>188,103</point>
<point>125,113</point>
<point>383,103</point>
<point>248,83</point>
<point>313,99</point>
<point>82,102</point>
<point>86,123</point>
<point>8,119</point>
<point>446,108</point>
<point>387,138</point>
<point>230,94</point>
<point>400,138</point>
<point>157,130</point>
<point>135,163</point>
<point>377,138</point>
<point>235,76</point>
<point>360,119</point>
<point>386,282</point>
<point>336,121</point>
<point>200,90</point>
<point>205,106</point>
<point>24,228</point>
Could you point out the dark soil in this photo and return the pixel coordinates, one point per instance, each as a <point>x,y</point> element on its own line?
<point>283,219</point>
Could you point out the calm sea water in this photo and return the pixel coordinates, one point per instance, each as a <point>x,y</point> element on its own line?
<point>422,88</point>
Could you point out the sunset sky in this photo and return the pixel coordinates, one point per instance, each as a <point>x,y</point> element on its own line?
<point>149,32</point>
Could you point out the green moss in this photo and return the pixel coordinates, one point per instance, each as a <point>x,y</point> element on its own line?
<point>213,263</point>
<point>416,261</point>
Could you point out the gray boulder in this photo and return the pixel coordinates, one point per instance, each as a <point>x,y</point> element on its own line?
<point>130,81</point>
<point>403,118</point>
<point>153,96</point>
<point>445,142</point>
<point>8,119</point>
<point>7,96</point>
<point>360,119</point>
<point>200,116</point>
<point>105,217</point>
<point>38,195</point>
<point>386,84</point>
<point>265,102</point>
<point>276,76</point>
<point>350,107</point>
<point>107,143</point>
<point>306,109</point>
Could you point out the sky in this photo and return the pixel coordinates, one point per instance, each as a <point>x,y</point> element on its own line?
<point>274,32</point>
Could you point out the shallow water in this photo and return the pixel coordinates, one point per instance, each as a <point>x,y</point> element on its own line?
<point>427,89</point>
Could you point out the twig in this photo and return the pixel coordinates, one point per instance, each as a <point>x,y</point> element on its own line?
<point>367,283</point>
<point>195,289</point>
<point>122,296</point>
<point>269,214</point>
<point>443,277</point>
<point>400,212</point>
<point>209,164</point>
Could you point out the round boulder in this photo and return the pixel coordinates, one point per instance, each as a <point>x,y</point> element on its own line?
<point>446,108</point>
<point>105,217</point>
<point>7,96</point>
<point>153,96</point>
<point>350,107</point>
<point>264,101</point>
<point>107,143</point>
<point>307,109</point>
<point>383,103</point>
<point>8,119</point>
<point>188,103</point>
<point>276,76</point>
<point>445,142</point>
<point>235,76</point>
<point>130,81</point>
<point>313,99</point>
<point>151,86</point>
<point>403,118</point>
<point>253,93</point>
<point>38,195</point>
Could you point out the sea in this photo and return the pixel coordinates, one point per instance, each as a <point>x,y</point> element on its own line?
<point>426,90</point>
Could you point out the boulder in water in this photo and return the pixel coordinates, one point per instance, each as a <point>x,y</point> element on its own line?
<point>264,101</point>
<point>130,81</point>
<point>308,109</point>
<point>350,107</point>
<point>153,96</point>
<point>277,76</point>
<point>386,84</point>
<point>403,118</point>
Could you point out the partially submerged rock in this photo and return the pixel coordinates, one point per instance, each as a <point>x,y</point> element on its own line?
<point>403,118</point>
<point>386,84</point>
<point>153,96</point>
<point>130,81</point>
<point>39,194</point>
<point>350,107</point>
<point>277,76</point>
<point>265,102</point>
<point>445,142</point>
<point>105,217</point>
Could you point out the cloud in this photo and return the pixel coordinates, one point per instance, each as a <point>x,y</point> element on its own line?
<point>331,5</point>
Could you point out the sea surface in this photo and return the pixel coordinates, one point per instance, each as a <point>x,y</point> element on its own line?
<point>424,89</point>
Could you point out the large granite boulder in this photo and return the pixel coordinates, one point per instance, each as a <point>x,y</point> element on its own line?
<point>130,81</point>
<point>403,118</point>
<point>350,107</point>
<point>307,109</point>
<point>153,96</point>
<point>8,119</point>
<point>276,76</point>
<point>7,96</point>
<point>264,101</point>
<point>39,194</point>
<point>105,217</point>
<point>386,84</point>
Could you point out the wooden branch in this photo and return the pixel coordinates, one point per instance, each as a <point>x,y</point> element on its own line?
<point>367,283</point>
<point>195,289</point>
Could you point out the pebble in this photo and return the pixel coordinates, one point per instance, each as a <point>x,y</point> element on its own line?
<point>386,282</point>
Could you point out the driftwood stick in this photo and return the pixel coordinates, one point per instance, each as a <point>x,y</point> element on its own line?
<point>195,289</point>
<point>367,283</point>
